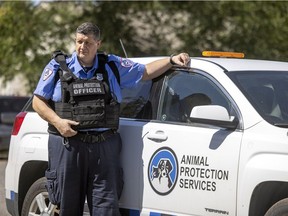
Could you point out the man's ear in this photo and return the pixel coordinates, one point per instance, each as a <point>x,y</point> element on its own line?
<point>99,43</point>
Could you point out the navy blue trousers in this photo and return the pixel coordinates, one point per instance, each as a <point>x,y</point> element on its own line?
<point>80,171</point>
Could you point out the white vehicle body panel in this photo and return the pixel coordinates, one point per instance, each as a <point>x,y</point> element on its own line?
<point>218,170</point>
<point>189,142</point>
<point>31,146</point>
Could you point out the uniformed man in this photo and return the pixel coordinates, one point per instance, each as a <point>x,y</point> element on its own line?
<point>80,101</point>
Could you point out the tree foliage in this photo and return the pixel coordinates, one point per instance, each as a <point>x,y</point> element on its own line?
<point>31,32</point>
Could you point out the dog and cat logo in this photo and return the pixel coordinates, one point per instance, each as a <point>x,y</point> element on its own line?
<point>163,171</point>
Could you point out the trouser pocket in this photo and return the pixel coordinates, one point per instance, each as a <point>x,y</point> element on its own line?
<point>52,187</point>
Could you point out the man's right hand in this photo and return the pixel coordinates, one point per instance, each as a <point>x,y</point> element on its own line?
<point>41,106</point>
<point>64,126</point>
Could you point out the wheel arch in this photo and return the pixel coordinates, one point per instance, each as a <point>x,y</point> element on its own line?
<point>30,172</point>
<point>265,195</point>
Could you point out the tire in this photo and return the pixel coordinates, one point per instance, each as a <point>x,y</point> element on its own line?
<point>37,202</point>
<point>279,209</point>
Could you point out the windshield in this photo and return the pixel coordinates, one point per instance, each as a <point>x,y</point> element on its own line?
<point>267,92</point>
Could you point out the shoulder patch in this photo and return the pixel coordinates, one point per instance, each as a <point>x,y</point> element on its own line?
<point>47,74</point>
<point>126,62</point>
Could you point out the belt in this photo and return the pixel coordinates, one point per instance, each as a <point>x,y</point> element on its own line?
<point>93,136</point>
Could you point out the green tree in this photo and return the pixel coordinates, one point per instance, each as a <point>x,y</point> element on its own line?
<point>30,33</point>
<point>256,28</point>
<point>33,32</point>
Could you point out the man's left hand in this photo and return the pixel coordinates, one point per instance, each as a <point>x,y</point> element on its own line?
<point>181,59</point>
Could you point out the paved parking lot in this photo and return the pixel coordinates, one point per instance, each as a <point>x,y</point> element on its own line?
<point>3,210</point>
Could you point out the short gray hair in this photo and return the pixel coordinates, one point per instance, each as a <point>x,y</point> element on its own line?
<point>89,28</point>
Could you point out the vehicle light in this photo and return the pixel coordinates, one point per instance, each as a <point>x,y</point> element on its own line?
<point>18,122</point>
<point>223,54</point>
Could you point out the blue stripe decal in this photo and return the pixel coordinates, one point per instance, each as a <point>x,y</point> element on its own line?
<point>154,214</point>
<point>133,212</point>
<point>159,214</point>
<point>12,195</point>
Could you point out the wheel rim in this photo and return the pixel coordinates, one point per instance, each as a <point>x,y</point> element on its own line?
<point>42,206</point>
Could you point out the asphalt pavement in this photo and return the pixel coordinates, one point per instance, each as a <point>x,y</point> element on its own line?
<point>3,210</point>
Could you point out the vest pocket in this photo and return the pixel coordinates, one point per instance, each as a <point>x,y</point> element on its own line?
<point>63,110</point>
<point>88,112</point>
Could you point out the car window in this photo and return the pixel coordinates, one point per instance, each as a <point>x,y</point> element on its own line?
<point>267,91</point>
<point>135,101</point>
<point>185,90</point>
<point>12,104</point>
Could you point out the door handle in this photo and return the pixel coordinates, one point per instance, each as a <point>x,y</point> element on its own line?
<point>157,136</point>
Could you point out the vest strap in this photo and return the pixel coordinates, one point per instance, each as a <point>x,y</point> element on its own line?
<point>67,74</point>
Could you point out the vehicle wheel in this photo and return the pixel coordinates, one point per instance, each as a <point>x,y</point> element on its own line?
<point>279,209</point>
<point>37,202</point>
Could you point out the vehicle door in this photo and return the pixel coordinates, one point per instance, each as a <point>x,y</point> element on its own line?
<point>190,168</point>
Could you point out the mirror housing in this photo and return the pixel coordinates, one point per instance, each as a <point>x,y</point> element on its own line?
<point>214,115</point>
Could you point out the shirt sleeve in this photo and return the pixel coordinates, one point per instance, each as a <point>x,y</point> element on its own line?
<point>130,72</point>
<point>46,85</point>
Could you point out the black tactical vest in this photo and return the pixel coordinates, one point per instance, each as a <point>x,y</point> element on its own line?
<point>88,102</point>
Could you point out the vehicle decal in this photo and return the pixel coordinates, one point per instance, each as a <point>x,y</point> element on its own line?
<point>216,211</point>
<point>129,212</point>
<point>163,171</point>
<point>12,195</point>
<point>196,173</point>
<point>133,212</point>
<point>159,214</point>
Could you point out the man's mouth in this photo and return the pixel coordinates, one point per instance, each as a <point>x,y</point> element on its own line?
<point>83,52</point>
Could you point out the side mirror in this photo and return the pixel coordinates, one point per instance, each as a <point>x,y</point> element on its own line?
<point>213,115</point>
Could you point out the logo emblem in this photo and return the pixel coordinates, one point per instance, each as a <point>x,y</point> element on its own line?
<point>99,76</point>
<point>163,171</point>
<point>126,62</point>
<point>47,74</point>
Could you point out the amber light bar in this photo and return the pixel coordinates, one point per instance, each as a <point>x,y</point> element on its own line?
<point>223,54</point>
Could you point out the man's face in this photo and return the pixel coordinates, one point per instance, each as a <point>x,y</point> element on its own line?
<point>86,48</point>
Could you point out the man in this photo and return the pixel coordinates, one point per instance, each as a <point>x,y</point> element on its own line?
<point>84,153</point>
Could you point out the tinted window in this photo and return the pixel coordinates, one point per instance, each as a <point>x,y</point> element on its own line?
<point>185,90</point>
<point>12,104</point>
<point>135,100</point>
<point>267,91</point>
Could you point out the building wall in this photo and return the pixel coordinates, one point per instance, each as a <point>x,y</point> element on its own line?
<point>17,86</point>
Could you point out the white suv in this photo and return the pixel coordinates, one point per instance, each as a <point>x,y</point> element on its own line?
<point>209,139</point>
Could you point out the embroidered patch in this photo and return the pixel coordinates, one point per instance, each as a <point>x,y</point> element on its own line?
<point>47,74</point>
<point>99,76</point>
<point>126,62</point>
